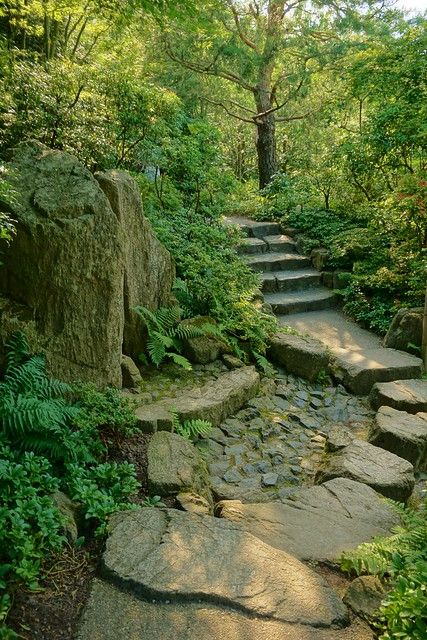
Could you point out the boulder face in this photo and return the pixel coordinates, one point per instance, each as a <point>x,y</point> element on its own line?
<point>71,263</point>
<point>406,328</point>
<point>149,271</point>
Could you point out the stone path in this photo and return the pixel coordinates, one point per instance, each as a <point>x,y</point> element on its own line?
<point>292,474</point>
<point>292,288</point>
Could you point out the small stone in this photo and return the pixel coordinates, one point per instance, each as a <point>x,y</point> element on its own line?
<point>194,503</point>
<point>364,595</point>
<point>232,476</point>
<point>131,376</point>
<point>338,438</point>
<point>231,362</point>
<point>263,466</point>
<point>270,479</point>
<point>316,403</point>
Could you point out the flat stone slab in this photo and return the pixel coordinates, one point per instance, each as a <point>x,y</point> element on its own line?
<point>360,360</point>
<point>169,554</point>
<point>363,462</point>
<point>359,371</point>
<point>317,523</point>
<point>114,615</point>
<point>404,395</point>
<point>304,357</point>
<point>214,401</point>
<point>401,433</point>
<point>174,466</point>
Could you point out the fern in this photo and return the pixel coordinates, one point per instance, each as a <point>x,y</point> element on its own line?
<point>189,429</point>
<point>34,414</point>
<point>264,364</point>
<point>167,332</point>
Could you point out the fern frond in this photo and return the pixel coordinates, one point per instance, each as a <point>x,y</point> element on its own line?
<point>264,364</point>
<point>17,350</point>
<point>168,317</point>
<point>193,428</point>
<point>186,331</point>
<point>180,360</point>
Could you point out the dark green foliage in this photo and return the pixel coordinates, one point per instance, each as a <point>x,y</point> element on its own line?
<point>30,525</point>
<point>166,332</point>
<point>36,418</point>
<point>102,489</point>
<point>402,559</point>
<point>34,415</point>
<point>104,418</point>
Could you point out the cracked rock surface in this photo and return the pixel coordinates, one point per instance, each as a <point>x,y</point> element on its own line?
<point>166,554</point>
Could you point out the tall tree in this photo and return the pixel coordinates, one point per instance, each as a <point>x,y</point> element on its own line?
<point>268,50</point>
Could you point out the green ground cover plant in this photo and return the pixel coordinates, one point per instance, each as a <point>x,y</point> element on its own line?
<point>400,560</point>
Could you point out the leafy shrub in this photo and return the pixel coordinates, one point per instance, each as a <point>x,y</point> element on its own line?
<point>35,418</point>
<point>102,489</point>
<point>30,525</point>
<point>104,417</point>
<point>402,558</point>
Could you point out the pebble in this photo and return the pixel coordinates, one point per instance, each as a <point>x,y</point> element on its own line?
<point>270,479</point>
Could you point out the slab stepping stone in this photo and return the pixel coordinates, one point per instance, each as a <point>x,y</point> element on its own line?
<point>304,357</point>
<point>214,401</point>
<point>363,462</point>
<point>316,523</point>
<point>171,555</point>
<point>401,433</point>
<point>404,395</point>
<point>175,466</point>
<point>114,615</point>
<point>359,371</point>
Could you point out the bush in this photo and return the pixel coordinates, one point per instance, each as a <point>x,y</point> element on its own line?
<point>402,560</point>
<point>48,442</point>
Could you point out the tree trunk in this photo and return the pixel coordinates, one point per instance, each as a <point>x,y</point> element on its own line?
<point>424,340</point>
<point>266,150</point>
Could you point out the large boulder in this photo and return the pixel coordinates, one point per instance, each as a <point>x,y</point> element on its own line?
<point>177,556</point>
<point>316,523</point>
<point>78,264</point>
<point>401,433</point>
<point>406,329</point>
<point>149,270</point>
<point>363,462</point>
<point>175,466</point>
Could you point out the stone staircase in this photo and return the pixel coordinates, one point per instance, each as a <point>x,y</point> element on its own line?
<point>289,283</point>
<point>293,289</point>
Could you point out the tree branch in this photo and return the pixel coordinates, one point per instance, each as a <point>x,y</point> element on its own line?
<point>210,69</point>
<point>243,37</point>
<point>230,113</point>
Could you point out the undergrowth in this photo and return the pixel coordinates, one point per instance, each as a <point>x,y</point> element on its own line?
<point>401,560</point>
<point>53,438</point>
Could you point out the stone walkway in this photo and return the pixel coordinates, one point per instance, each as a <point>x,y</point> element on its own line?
<point>292,474</point>
<point>292,287</point>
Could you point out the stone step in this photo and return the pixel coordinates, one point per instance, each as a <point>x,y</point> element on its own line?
<point>176,556</point>
<point>215,401</point>
<point>290,280</point>
<point>112,614</point>
<point>276,261</point>
<point>401,433</point>
<point>252,246</point>
<point>280,242</point>
<point>360,359</point>
<point>404,395</point>
<point>385,472</point>
<point>316,523</point>
<point>300,301</point>
<point>262,229</point>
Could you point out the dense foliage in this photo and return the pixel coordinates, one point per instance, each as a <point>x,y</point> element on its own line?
<point>53,438</point>
<point>401,560</point>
